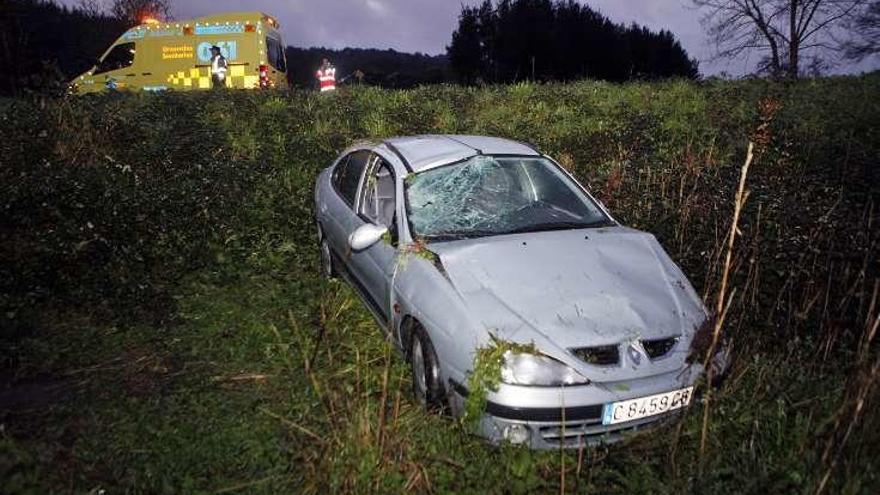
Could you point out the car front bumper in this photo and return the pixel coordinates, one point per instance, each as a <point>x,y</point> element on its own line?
<point>571,417</point>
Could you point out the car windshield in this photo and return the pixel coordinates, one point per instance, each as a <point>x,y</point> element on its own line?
<point>494,195</point>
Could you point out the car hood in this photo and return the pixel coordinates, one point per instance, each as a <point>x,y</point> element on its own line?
<point>572,288</point>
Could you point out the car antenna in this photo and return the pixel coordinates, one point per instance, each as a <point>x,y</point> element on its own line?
<point>400,156</point>
<point>478,150</point>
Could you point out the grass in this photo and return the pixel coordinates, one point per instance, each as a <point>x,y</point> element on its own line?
<point>166,329</point>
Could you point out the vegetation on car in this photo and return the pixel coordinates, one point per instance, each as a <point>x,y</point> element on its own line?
<point>419,247</point>
<point>486,375</point>
<point>165,327</point>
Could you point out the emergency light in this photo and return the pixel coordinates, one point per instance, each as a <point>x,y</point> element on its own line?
<point>264,76</point>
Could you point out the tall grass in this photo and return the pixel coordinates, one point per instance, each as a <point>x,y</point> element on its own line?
<point>165,328</point>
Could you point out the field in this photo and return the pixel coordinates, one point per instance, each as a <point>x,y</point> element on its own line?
<point>165,328</point>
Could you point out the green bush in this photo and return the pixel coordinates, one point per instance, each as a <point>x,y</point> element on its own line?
<point>157,262</point>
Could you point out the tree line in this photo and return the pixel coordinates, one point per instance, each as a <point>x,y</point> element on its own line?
<point>385,68</point>
<point>509,40</point>
<point>43,44</point>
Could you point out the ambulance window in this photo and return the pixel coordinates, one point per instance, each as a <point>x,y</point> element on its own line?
<point>120,57</point>
<point>347,175</point>
<point>276,53</point>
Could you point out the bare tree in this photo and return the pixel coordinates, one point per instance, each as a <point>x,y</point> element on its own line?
<point>91,8</point>
<point>866,33</point>
<point>783,31</point>
<point>134,12</point>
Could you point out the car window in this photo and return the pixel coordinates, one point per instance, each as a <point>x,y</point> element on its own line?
<point>347,175</point>
<point>488,195</point>
<point>275,51</point>
<point>119,57</point>
<point>377,199</point>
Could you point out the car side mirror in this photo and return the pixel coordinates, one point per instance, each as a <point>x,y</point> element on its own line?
<point>365,236</point>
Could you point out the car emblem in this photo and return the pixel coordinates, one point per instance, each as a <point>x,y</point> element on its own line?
<point>634,355</point>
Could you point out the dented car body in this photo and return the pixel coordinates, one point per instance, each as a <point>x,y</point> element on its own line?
<point>456,242</point>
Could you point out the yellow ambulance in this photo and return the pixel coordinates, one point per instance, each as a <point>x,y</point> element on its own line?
<point>176,55</point>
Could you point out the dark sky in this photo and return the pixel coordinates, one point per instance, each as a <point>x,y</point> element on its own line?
<point>426,25</point>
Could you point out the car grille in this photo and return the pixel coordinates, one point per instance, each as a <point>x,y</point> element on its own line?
<point>591,432</point>
<point>659,347</point>
<point>603,355</point>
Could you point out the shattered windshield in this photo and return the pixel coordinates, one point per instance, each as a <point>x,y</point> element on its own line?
<point>488,195</point>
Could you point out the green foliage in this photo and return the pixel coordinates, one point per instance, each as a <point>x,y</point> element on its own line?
<point>420,249</point>
<point>486,375</point>
<point>165,328</point>
<point>510,40</point>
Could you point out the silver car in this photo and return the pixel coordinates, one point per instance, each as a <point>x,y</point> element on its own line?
<point>456,243</point>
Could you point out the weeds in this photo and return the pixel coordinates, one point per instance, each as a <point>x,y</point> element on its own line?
<point>486,375</point>
<point>165,328</point>
<point>722,306</point>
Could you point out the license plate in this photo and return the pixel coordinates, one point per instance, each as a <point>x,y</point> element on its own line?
<point>643,407</point>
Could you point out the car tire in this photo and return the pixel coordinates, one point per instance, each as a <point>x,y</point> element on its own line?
<point>328,268</point>
<point>427,385</point>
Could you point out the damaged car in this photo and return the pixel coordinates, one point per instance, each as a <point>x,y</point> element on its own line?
<point>457,242</point>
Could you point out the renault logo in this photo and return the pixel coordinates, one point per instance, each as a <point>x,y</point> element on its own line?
<point>634,354</point>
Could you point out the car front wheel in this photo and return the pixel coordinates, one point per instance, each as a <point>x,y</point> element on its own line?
<point>327,267</point>
<point>427,385</point>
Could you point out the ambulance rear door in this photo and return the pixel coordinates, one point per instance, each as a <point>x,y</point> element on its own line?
<point>277,59</point>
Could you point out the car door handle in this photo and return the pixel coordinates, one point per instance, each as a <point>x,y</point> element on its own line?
<point>131,75</point>
<point>146,73</point>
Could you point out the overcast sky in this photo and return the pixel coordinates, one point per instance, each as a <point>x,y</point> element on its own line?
<point>426,25</point>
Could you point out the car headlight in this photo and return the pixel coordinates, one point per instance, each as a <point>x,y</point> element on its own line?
<point>544,371</point>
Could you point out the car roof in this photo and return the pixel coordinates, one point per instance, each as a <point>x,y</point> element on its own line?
<point>428,151</point>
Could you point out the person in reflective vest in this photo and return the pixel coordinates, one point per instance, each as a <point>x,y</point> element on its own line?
<point>326,76</point>
<point>218,68</point>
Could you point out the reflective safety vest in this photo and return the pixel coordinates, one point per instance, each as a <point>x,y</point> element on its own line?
<point>218,65</point>
<point>327,77</point>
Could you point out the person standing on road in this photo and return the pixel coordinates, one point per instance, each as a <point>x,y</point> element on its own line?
<point>218,68</point>
<point>326,76</point>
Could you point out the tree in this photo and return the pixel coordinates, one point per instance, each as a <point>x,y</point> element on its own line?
<point>133,12</point>
<point>783,31</point>
<point>866,33</point>
<point>43,45</point>
<point>512,40</point>
<point>385,68</point>
<point>90,8</point>
<point>465,52</point>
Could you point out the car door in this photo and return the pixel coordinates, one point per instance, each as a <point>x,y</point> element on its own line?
<point>340,218</point>
<point>377,204</point>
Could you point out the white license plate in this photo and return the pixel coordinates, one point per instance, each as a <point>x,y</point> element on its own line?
<point>643,407</point>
